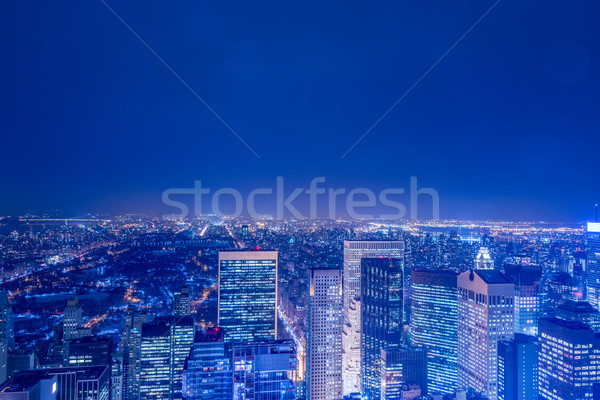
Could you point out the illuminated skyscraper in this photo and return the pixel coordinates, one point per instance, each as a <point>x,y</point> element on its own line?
<point>181,302</point>
<point>568,359</point>
<point>248,295</point>
<point>130,345</point>
<point>264,371</point>
<point>90,350</point>
<point>7,331</point>
<point>324,336</point>
<point>403,373</point>
<point>433,325</point>
<point>528,305</point>
<point>593,263</point>
<point>207,371</point>
<point>354,251</point>
<point>485,317</point>
<point>382,316</point>
<point>518,368</point>
<point>165,344</point>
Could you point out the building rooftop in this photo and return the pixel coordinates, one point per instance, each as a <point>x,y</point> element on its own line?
<point>90,373</point>
<point>492,276</point>
<point>23,381</point>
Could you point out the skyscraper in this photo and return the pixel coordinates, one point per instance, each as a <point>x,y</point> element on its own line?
<point>433,325</point>
<point>181,302</point>
<point>354,251</point>
<point>324,336</point>
<point>528,306</point>
<point>382,316</point>
<point>264,371</point>
<point>568,359</point>
<point>403,370</point>
<point>155,368</point>
<point>90,383</point>
<point>7,331</point>
<point>72,328</point>
<point>207,371</point>
<point>165,344</point>
<point>593,263</point>
<point>131,346</point>
<point>248,295</point>
<point>518,368</point>
<point>485,317</point>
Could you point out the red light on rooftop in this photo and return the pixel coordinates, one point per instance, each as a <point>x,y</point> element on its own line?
<point>580,295</point>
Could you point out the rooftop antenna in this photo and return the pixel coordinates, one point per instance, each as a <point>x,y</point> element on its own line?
<point>596,212</point>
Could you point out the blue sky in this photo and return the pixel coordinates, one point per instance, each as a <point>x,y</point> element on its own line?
<point>505,127</point>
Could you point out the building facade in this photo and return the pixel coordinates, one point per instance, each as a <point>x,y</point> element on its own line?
<point>354,251</point>
<point>264,371</point>
<point>247,309</point>
<point>568,357</point>
<point>528,305</point>
<point>403,373</point>
<point>485,317</point>
<point>433,325</point>
<point>593,263</point>
<point>207,371</point>
<point>518,368</point>
<point>382,315</point>
<point>324,336</point>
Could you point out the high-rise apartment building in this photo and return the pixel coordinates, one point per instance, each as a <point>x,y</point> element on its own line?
<point>518,368</point>
<point>485,317</point>
<point>528,305</point>
<point>354,251</point>
<point>568,357</point>
<point>382,315</point>
<point>248,295</point>
<point>207,371</point>
<point>90,350</point>
<point>593,263</point>
<point>433,325</point>
<point>264,371</point>
<point>324,334</point>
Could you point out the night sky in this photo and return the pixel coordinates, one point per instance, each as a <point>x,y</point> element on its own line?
<point>506,126</point>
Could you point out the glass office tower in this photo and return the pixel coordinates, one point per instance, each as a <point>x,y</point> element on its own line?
<point>382,316</point>
<point>593,263</point>
<point>518,368</point>
<point>433,325</point>
<point>248,295</point>
<point>354,251</point>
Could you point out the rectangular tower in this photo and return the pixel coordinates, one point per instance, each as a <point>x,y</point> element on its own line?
<point>485,317</point>
<point>518,368</point>
<point>433,325</point>
<point>382,315</point>
<point>324,337</point>
<point>567,362</point>
<point>593,263</point>
<point>248,295</point>
<point>354,251</point>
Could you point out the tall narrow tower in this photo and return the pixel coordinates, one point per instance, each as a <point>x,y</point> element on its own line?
<point>324,338</point>
<point>485,317</point>
<point>354,251</point>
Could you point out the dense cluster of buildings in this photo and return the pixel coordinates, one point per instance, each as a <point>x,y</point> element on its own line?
<point>379,324</point>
